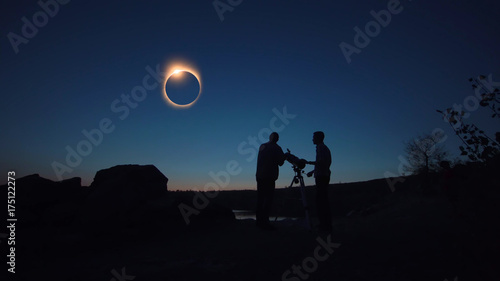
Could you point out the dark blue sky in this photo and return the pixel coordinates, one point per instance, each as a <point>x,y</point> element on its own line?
<point>264,56</point>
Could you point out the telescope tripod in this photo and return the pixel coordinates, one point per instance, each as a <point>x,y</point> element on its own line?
<point>298,178</point>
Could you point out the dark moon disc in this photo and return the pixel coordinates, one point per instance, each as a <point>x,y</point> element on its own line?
<point>182,88</point>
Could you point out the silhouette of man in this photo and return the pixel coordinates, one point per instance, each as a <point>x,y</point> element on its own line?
<point>270,157</point>
<point>322,177</point>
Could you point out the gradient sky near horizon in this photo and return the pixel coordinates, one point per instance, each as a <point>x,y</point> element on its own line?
<point>263,57</point>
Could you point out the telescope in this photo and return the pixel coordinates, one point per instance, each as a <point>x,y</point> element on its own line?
<point>295,161</point>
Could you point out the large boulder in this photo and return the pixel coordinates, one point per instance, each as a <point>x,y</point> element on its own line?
<point>148,175</point>
<point>121,193</point>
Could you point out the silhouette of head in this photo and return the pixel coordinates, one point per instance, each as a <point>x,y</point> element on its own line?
<point>274,137</point>
<point>318,137</point>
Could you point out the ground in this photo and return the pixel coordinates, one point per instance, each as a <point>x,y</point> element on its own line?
<point>416,240</point>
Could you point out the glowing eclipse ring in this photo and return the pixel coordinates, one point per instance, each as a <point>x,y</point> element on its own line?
<point>176,71</point>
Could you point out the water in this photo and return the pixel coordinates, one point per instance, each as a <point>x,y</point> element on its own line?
<point>250,214</point>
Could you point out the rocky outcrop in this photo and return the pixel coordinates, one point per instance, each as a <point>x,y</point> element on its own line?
<point>43,202</point>
<point>120,194</point>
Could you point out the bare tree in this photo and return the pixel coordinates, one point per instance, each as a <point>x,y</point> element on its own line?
<point>424,153</point>
<point>478,146</point>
